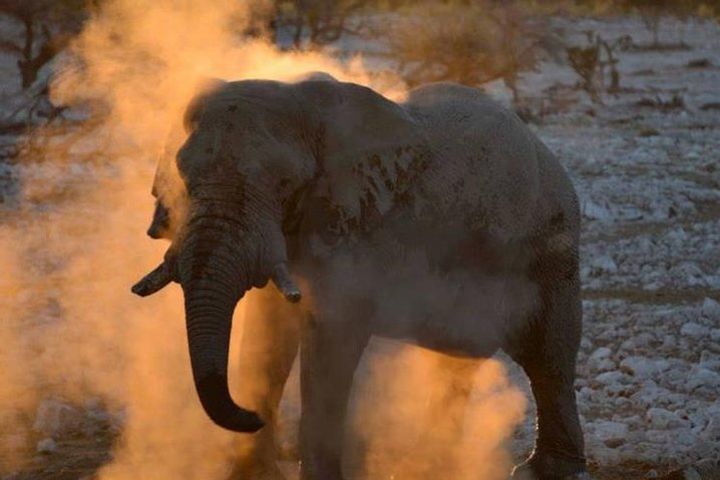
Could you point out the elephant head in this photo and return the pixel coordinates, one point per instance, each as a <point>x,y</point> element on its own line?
<point>253,152</point>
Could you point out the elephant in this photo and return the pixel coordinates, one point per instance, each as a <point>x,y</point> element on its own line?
<point>441,221</point>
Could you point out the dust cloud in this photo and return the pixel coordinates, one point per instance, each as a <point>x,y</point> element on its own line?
<point>75,242</point>
<point>417,413</point>
<point>425,415</point>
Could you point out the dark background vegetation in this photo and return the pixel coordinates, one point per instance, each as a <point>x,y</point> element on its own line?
<point>467,41</point>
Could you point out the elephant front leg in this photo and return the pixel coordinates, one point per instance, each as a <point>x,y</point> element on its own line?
<point>269,345</point>
<point>330,352</point>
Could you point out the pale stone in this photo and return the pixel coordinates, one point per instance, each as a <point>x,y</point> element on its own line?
<point>46,445</point>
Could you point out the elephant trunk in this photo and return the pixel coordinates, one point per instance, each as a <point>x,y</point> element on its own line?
<point>214,275</point>
<point>217,256</point>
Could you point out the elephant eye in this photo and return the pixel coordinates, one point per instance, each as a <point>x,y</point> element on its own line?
<point>191,118</point>
<point>182,158</point>
<point>190,124</point>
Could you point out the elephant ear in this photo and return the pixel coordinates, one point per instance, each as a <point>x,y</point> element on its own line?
<point>372,151</point>
<point>204,89</point>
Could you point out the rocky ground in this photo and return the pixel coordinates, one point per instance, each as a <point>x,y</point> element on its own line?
<point>648,175</point>
<point>647,169</point>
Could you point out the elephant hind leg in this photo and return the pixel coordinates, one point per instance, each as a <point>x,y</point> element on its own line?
<point>547,349</point>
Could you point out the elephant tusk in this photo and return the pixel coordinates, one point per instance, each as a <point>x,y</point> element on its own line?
<point>153,281</point>
<point>281,278</point>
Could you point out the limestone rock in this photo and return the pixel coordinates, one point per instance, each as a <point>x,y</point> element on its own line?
<point>46,446</point>
<point>694,330</point>
<point>55,417</point>
<point>612,434</point>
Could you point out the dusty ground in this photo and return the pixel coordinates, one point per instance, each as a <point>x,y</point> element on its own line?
<point>648,176</point>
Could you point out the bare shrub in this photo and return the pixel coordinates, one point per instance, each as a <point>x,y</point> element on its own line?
<point>470,44</point>
<point>664,104</point>
<point>596,61</point>
<point>317,22</point>
<point>47,28</point>
<point>652,13</point>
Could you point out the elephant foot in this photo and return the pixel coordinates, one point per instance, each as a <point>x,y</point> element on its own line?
<point>545,467</point>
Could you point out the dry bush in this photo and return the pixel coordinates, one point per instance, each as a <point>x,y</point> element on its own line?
<point>317,22</point>
<point>596,61</point>
<point>652,13</point>
<point>470,44</point>
<point>48,26</point>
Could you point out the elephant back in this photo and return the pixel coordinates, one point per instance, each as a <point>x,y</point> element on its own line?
<point>488,166</point>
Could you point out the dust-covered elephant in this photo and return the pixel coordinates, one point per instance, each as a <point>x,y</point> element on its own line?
<point>442,221</point>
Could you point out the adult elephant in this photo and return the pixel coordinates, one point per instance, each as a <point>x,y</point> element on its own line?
<point>442,221</point>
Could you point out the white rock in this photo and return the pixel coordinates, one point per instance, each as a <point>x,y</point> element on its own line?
<point>605,456</point>
<point>118,419</point>
<point>662,437</point>
<point>712,431</point>
<point>694,330</point>
<point>93,403</point>
<point>715,335</point>
<point>675,400</point>
<point>683,436</point>
<point>603,365</point>
<point>702,377</point>
<point>639,367</point>
<point>643,339</point>
<point>595,211</point>
<point>600,265</point>
<point>57,418</point>
<point>622,402</point>
<point>633,422</point>
<point>660,419</point>
<point>714,409</point>
<point>690,272</point>
<point>697,419</point>
<point>649,393</point>
<point>46,445</point>
<point>710,360</point>
<point>677,235</point>
<point>610,433</point>
<point>711,310</point>
<point>610,378</point>
<point>661,365</point>
<point>600,353</point>
<point>669,341</point>
<point>600,361</point>
<point>585,395</point>
<point>99,416</point>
